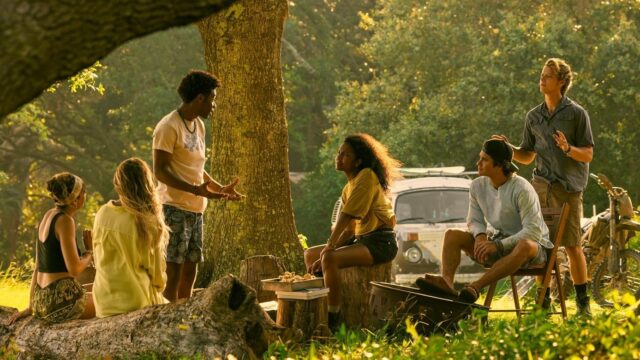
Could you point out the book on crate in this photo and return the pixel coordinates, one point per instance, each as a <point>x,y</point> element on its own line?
<point>305,294</point>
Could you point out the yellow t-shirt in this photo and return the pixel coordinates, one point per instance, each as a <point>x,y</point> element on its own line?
<point>187,162</point>
<point>364,199</point>
<point>126,278</point>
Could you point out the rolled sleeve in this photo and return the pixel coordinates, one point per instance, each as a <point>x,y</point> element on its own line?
<point>154,265</point>
<point>361,195</point>
<point>164,138</point>
<point>528,139</point>
<point>584,136</point>
<point>159,277</point>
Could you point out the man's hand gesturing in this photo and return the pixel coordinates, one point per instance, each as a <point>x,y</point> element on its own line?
<point>230,190</point>
<point>204,190</point>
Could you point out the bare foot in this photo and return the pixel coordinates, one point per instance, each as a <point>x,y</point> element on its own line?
<point>435,284</point>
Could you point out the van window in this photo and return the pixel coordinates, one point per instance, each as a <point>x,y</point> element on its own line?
<point>432,206</point>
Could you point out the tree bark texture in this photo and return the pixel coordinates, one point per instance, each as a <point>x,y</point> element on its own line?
<point>309,316</point>
<point>45,41</point>
<point>11,201</point>
<point>356,291</point>
<point>13,195</point>
<point>257,268</point>
<point>220,320</point>
<point>249,140</point>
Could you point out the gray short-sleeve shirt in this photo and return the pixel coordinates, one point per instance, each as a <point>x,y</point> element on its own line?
<point>552,165</point>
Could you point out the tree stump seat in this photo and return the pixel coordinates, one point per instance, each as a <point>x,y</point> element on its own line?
<point>356,291</point>
<point>254,269</point>
<point>307,314</point>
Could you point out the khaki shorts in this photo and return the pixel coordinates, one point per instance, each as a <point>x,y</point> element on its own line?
<point>554,196</point>
<point>536,262</point>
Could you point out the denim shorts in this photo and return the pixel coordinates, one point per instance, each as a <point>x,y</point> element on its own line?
<point>185,240</point>
<point>381,244</point>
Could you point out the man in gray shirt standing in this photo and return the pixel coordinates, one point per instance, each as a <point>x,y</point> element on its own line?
<point>507,202</point>
<point>557,134</point>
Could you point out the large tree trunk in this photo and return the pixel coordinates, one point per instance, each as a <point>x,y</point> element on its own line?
<point>44,41</point>
<point>11,213</point>
<point>13,194</point>
<point>242,48</point>
<point>220,320</point>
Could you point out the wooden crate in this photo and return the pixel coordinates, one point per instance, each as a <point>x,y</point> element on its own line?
<point>277,285</point>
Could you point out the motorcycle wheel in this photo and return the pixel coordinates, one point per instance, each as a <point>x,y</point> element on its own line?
<point>627,281</point>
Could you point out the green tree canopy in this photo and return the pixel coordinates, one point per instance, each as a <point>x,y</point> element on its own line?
<point>447,75</point>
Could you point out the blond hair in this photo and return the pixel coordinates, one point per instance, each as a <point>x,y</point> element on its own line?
<point>133,181</point>
<point>562,71</point>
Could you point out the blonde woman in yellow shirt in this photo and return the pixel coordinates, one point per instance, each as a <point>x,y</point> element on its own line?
<point>363,234</point>
<point>129,238</point>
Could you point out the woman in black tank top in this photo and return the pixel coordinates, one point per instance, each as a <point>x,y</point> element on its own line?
<point>55,295</point>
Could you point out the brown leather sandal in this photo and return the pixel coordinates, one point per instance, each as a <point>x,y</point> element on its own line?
<point>434,285</point>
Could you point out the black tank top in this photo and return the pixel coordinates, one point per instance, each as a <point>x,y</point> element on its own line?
<point>50,258</point>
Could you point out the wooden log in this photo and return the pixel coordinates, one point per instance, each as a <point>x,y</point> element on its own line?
<point>260,267</point>
<point>356,290</point>
<point>310,316</point>
<point>223,319</point>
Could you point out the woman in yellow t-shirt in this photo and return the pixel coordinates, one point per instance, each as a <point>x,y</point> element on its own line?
<point>363,234</point>
<point>129,238</point>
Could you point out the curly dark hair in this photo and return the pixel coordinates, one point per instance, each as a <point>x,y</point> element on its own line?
<point>374,155</point>
<point>197,82</point>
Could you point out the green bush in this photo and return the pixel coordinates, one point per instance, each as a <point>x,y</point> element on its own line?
<point>612,334</point>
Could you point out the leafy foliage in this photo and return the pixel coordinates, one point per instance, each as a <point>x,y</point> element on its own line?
<point>86,126</point>
<point>448,75</point>
<point>609,335</point>
<point>320,49</point>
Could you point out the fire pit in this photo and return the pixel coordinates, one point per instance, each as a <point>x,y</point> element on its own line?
<point>391,304</point>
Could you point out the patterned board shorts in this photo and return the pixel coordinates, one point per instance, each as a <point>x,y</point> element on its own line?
<point>60,301</point>
<point>185,241</point>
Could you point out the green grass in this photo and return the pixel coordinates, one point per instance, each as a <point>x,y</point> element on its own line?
<point>14,296</point>
<point>14,285</point>
<point>612,334</point>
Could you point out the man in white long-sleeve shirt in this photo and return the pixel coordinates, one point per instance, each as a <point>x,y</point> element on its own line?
<point>518,238</point>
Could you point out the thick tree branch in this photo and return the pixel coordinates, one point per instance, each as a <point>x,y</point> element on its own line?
<point>44,41</point>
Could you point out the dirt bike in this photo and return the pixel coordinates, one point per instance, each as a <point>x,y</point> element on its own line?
<point>611,264</point>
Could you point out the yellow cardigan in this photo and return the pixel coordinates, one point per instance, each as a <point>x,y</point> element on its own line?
<point>126,278</point>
